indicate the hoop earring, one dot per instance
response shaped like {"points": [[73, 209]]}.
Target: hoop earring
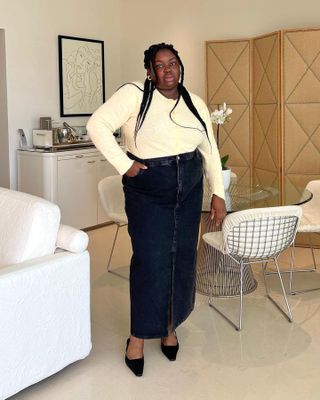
{"points": [[149, 77]]}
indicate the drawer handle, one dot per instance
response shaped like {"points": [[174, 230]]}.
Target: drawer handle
{"points": [[91, 162], [103, 160], [80, 156]]}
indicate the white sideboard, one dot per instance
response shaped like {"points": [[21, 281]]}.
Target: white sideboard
{"points": [[69, 179]]}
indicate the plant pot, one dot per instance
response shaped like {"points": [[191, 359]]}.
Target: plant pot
{"points": [[226, 175]]}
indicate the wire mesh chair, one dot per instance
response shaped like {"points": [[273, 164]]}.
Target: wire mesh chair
{"points": [[112, 199], [309, 223], [256, 236]]}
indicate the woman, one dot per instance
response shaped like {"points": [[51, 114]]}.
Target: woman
{"points": [[168, 135]]}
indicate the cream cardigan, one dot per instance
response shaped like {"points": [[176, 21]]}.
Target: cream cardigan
{"points": [[159, 136]]}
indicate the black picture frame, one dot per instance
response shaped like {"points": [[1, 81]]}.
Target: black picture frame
{"points": [[81, 75]]}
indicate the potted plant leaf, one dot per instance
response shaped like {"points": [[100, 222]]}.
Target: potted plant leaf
{"points": [[219, 117]]}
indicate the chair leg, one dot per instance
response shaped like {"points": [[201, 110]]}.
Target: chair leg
{"points": [[292, 265], [112, 249], [111, 254], [210, 302], [241, 297], [313, 256], [292, 270], [289, 314]]}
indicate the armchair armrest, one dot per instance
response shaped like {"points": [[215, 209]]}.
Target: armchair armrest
{"points": [[72, 239], [45, 318]]}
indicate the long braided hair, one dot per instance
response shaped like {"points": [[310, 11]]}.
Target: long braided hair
{"points": [[149, 87]]}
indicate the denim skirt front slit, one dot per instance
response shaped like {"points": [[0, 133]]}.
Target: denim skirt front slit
{"points": [[163, 206]]}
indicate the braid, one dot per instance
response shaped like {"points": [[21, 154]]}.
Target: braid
{"points": [[145, 104], [186, 97], [149, 87]]}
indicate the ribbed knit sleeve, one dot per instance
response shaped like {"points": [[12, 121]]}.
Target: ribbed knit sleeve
{"points": [[210, 154], [123, 104]]}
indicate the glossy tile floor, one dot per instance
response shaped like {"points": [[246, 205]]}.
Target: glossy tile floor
{"points": [[269, 359]]}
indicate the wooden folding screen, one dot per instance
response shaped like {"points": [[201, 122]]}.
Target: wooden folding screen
{"points": [[301, 106], [301, 110], [272, 82], [228, 80], [266, 149]]}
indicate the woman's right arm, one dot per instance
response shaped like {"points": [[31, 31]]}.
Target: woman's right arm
{"points": [[108, 118]]}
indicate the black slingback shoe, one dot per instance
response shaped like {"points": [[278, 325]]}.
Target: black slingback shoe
{"points": [[170, 351], [136, 365]]}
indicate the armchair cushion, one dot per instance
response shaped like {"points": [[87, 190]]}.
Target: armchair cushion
{"points": [[28, 227]]}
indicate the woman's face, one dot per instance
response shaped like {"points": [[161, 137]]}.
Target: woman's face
{"points": [[166, 72]]}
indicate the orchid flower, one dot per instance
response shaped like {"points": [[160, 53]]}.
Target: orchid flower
{"points": [[219, 117]]}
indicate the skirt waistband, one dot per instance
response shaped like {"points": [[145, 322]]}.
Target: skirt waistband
{"points": [[163, 161]]}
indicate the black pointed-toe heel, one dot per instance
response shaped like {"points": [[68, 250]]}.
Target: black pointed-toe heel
{"points": [[170, 351], [136, 365]]}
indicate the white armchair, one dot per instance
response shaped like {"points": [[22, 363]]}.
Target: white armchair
{"points": [[44, 292], [310, 223]]}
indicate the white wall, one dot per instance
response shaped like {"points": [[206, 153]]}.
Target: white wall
{"points": [[31, 30], [189, 23], [4, 140]]}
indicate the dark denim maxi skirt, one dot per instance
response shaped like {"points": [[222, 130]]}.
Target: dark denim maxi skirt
{"points": [[163, 205]]}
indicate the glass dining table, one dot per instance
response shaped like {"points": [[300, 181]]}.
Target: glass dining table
{"points": [[212, 280]]}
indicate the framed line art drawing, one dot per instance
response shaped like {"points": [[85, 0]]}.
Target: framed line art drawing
{"points": [[81, 75]]}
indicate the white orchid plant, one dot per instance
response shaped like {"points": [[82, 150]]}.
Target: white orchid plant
{"points": [[219, 117]]}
